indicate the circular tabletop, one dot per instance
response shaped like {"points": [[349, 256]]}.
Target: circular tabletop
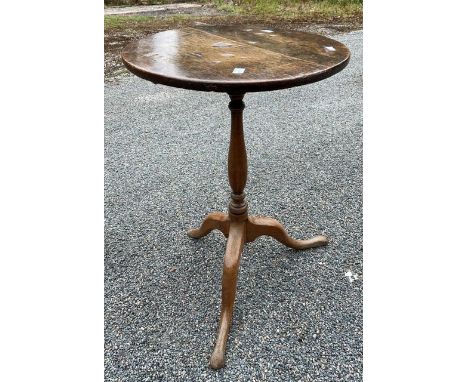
{"points": [[235, 59]]}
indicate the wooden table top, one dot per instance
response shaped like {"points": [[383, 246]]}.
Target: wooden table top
{"points": [[235, 59]]}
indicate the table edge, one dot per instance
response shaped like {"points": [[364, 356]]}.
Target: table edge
{"points": [[236, 87]]}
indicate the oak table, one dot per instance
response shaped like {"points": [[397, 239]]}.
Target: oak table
{"points": [[236, 60]]}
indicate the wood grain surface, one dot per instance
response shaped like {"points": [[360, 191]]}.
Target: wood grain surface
{"points": [[234, 59]]}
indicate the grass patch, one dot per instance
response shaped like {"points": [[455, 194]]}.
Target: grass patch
{"points": [[292, 8], [142, 22], [124, 21]]}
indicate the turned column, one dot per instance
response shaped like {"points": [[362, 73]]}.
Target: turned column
{"points": [[237, 160]]}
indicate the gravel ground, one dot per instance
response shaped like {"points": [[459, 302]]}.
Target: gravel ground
{"points": [[298, 314]]}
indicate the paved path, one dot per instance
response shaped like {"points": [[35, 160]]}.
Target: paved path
{"points": [[298, 315], [151, 9]]}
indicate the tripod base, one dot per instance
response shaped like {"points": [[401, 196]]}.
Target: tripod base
{"points": [[240, 230], [255, 226]]}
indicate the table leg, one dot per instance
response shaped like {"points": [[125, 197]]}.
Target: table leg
{"points": [[232, 257], [214, 220], [259, 226]]}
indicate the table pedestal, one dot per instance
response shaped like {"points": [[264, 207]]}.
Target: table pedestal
{"points": [[240, 228]]}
